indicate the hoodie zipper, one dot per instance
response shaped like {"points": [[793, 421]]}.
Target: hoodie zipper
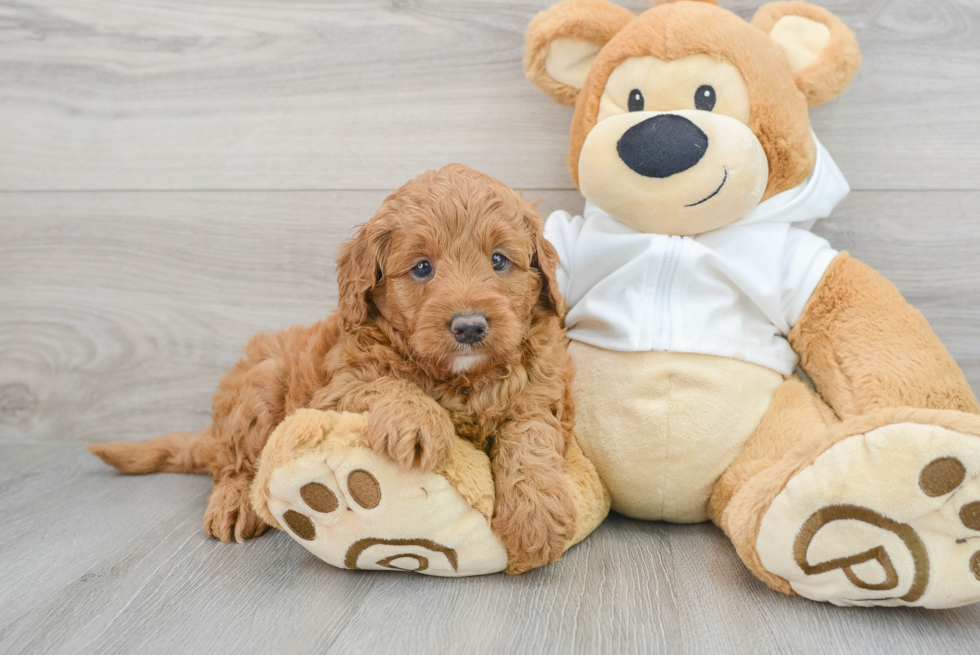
{"points": [[661, 304]]}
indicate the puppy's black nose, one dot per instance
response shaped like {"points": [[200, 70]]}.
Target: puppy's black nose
{"points": [[662, 146], [469, 328]]}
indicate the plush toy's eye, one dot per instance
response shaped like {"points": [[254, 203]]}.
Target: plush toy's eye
{"points": [[704, 97], [636, 101], [422, 270], [500, 262]]}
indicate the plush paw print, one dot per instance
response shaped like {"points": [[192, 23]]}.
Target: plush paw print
{"points": [[363, 488], [890, 517], [356, 509]]}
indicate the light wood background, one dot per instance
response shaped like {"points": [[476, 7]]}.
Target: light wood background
{"points": [[176, 175]]}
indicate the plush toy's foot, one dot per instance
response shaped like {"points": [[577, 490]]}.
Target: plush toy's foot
{"points": [[320, 482], [885, 516]]}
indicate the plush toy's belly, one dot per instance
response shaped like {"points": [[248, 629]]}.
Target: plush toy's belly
{"points": [[661, 427]]}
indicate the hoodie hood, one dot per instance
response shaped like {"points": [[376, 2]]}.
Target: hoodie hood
{"points": [[805, 204]]}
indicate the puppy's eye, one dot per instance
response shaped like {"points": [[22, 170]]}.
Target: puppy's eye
{"points": [[500, 262], [636, 101], [704, 97], [422, 270]]}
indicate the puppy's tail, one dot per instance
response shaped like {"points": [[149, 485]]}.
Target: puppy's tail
{"points": [[177, 452]]}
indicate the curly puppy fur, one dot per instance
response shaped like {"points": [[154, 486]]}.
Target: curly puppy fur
{"points": [[388, 350]]}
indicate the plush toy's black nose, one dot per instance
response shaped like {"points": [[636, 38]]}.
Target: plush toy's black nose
{"points": [[662, 146], [469, 328]]}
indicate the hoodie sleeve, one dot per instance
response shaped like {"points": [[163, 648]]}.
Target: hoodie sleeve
{"points": [[562, 230], [805, 259]]}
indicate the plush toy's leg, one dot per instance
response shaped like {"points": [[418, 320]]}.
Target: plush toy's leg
{"points": [[882, 507], [320, 482]]}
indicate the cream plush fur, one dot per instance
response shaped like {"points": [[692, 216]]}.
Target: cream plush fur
{"points": [[685, 322], [355, 509], [690, 416]]}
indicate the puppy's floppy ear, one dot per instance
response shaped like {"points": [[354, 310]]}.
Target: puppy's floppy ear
{"points": [[822, 51], [359, 269], [562, 42], [545, 262]]}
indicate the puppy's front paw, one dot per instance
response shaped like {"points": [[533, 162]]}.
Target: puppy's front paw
{"points": [[413, 435], [229, 514], [535, 524]]}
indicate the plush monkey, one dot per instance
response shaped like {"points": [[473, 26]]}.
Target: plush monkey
{"points": [[695, 288]]}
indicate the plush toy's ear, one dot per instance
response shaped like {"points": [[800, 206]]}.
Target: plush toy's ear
{"points": [[821, 49], [562, 42]]}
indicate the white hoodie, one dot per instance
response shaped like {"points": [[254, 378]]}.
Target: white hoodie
{"points": [[734, 292]]}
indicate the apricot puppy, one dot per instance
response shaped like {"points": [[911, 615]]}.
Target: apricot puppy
{"points": [[449, 323]]}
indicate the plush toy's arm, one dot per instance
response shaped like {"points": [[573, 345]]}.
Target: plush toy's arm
{"points": [[864, 347], [404, 423]]}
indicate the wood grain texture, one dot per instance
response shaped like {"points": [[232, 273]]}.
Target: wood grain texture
{"points": [[253, 94], [95, 562], [124, 309]]}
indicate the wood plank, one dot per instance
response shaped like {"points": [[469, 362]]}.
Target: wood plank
{"points": [[97, 562], [119, 312], [249, 94]]}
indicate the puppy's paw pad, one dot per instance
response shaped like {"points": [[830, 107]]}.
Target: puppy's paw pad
{"points": [[884, 518]]}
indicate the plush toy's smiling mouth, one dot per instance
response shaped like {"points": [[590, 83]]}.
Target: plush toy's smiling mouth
{"points": [[713, 194]]}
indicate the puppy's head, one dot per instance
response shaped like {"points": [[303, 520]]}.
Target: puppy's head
{"points": [[456, 263]]}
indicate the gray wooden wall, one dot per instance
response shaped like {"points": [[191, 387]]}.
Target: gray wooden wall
{"points": [[177, 175]]}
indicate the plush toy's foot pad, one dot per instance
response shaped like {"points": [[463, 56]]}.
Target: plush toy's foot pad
{"points": [[889, 517], [356, 510]]}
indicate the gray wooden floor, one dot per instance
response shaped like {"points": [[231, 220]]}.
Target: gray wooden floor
{"points": [[176, 175]]}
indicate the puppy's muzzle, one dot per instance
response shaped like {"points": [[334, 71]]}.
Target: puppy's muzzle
{"points": [[469, 328]]}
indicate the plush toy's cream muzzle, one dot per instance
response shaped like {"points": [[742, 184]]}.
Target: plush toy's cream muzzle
{"points": [[682, 172]]}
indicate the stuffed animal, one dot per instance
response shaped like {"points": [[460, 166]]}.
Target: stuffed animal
{"points": [[694, 289]]}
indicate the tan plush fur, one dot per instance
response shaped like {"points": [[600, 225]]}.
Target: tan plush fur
{"points": [[593, 21], [796, 414], [864, 347], [828, 76], [388, 350]]}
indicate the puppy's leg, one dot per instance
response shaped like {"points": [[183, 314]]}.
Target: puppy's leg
{"points": [[277, 375], [229, 514], [404, 423], [247, 406], [533, 514]]}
